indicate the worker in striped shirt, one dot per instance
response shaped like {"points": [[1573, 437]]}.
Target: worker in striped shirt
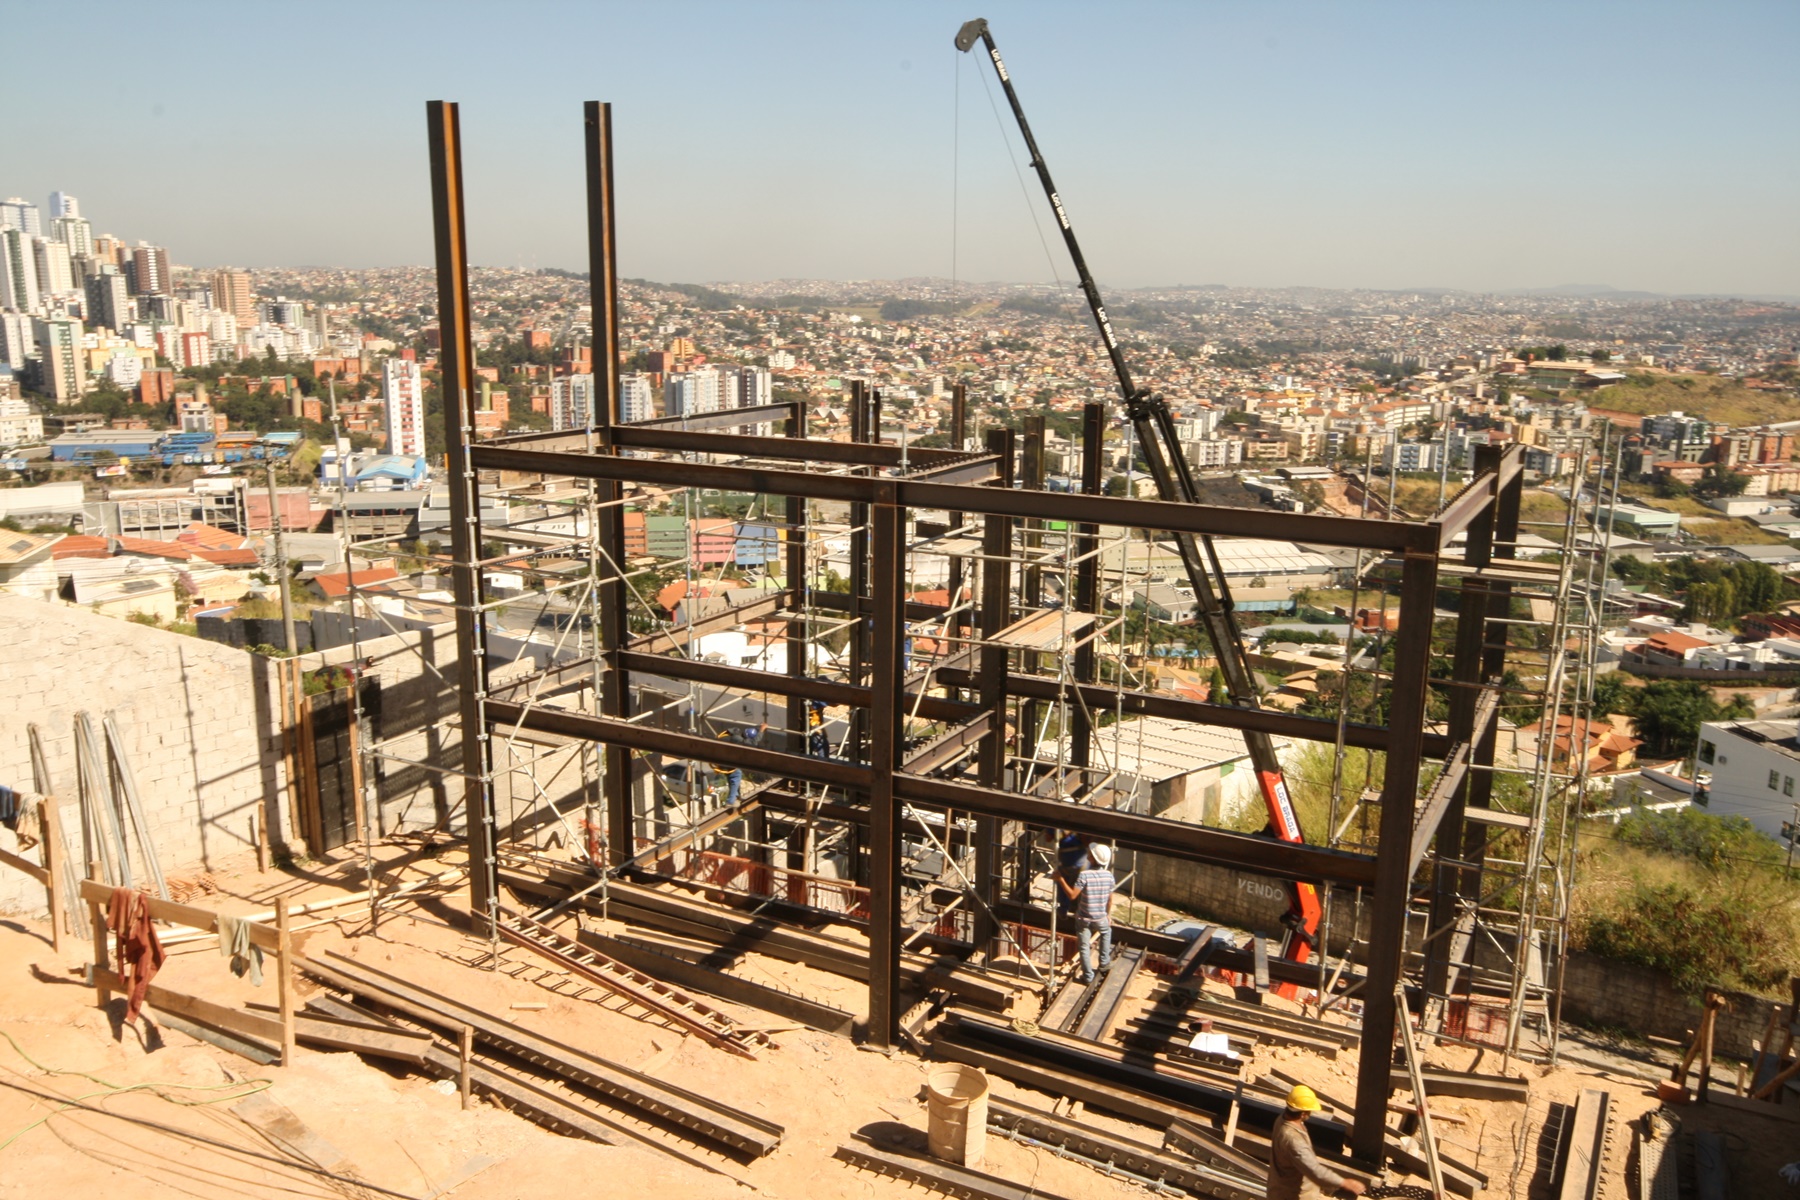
{"points": [[1092, 894]]}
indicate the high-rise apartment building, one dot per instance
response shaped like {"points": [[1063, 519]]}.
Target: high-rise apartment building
{"points": [[691, 393], [404, 390], [637, 399], [110, 249], [61, 373], [64, 205], [231, 293], [52, 264], [18, 271], [74, 232], [571, 401], [22, 215], [745, 387], [17, 342], [149, 270]]}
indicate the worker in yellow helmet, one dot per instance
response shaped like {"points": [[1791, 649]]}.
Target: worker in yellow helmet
{"points": [[1294, 1170]]}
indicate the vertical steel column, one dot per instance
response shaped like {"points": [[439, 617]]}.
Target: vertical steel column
{"points": [[1466, 674], [887, 608], [1505, 539], [456, 363], [1087, 581], [859, 580], [797, 583], [995, 615], [603, 277], [1399, 800], [1031, 579], [959, 438]]}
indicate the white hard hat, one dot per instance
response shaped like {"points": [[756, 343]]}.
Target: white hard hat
{"points": [[1101, 853]]}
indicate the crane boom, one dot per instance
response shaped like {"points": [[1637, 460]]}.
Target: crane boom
{"points": [[1156, 434]]}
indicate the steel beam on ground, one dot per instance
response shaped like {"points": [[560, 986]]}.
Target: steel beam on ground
{"points": [[457, 365]]}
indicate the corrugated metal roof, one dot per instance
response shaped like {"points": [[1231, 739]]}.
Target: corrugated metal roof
{"points": [[1155, 748]]}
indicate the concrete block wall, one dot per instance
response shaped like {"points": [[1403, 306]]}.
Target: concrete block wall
{"points": [[1616, 995], [197, 721]]}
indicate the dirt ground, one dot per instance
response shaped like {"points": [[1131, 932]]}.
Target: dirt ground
{"points": [[90, 1108]]}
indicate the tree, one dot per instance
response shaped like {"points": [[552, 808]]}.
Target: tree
{"points": [[1611, 695], [1667, 714], [1217, 692], [1717, 481]]}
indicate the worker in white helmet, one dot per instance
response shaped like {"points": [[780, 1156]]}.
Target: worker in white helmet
{"points": [[1092, 895], [1295, 1172]]}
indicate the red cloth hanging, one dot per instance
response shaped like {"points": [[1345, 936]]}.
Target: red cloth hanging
{"points": [[140, 954]]}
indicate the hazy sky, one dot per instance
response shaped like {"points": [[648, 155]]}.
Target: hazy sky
{"points": [[1476, 145]]}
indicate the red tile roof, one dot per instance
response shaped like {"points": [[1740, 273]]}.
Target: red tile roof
{"points": [[1673, 642], [155, 549], [211, 537], [338, 584], [240, 557], [82, 545]]}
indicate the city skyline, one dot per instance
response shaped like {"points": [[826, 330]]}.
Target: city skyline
{"points": [[1644, 148]]}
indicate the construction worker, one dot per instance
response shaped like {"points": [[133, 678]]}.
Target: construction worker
{"points": [[1092, 894], [1294, 1170], [734, 776]]}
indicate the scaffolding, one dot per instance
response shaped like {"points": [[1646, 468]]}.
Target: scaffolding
{"points": [[975, 724]]}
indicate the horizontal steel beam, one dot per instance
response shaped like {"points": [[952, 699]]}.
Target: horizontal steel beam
{"points": [[614, 732], [693, 440], [1118, 511], [1161, 704], [1469, 503], [743, 678], [726, 418], [949, 746], [1151, 835]]}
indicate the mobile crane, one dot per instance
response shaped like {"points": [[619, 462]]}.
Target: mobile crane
{"points": [[1156, 436]]}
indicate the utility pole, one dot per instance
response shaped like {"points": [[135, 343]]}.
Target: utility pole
{"points": [[1793, 833], [281, 562]]}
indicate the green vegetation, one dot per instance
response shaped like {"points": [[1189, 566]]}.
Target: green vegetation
{"points": [[1667, 714], [1719, 399], [1715, 593], [907, 310], [1701, 897]]}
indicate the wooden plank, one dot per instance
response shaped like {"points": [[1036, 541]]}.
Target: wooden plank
{"points": [[1466, 1085], [8, 858], [233, 1020], [50, 818], [181, 914], [1586, 1138], [401, 1045], [1789, 1113], [284, 942]]}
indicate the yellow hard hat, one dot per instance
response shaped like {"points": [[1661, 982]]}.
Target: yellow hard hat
{"points": [[1302, 1099]]}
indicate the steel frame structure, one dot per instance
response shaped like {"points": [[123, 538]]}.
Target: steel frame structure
{"points": [[882, 775]]}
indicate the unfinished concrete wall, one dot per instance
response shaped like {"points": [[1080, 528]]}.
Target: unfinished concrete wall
{"points": [[1616, 995], [197, 720]]}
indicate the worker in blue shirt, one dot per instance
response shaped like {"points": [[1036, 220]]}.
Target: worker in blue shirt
{"points": [[734, 776]]}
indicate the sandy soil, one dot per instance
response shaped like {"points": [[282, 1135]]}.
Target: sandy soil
{"points": [[90, 1109]]}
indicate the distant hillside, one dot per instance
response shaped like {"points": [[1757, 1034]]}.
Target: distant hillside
{"points": [[1718, 399]]}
